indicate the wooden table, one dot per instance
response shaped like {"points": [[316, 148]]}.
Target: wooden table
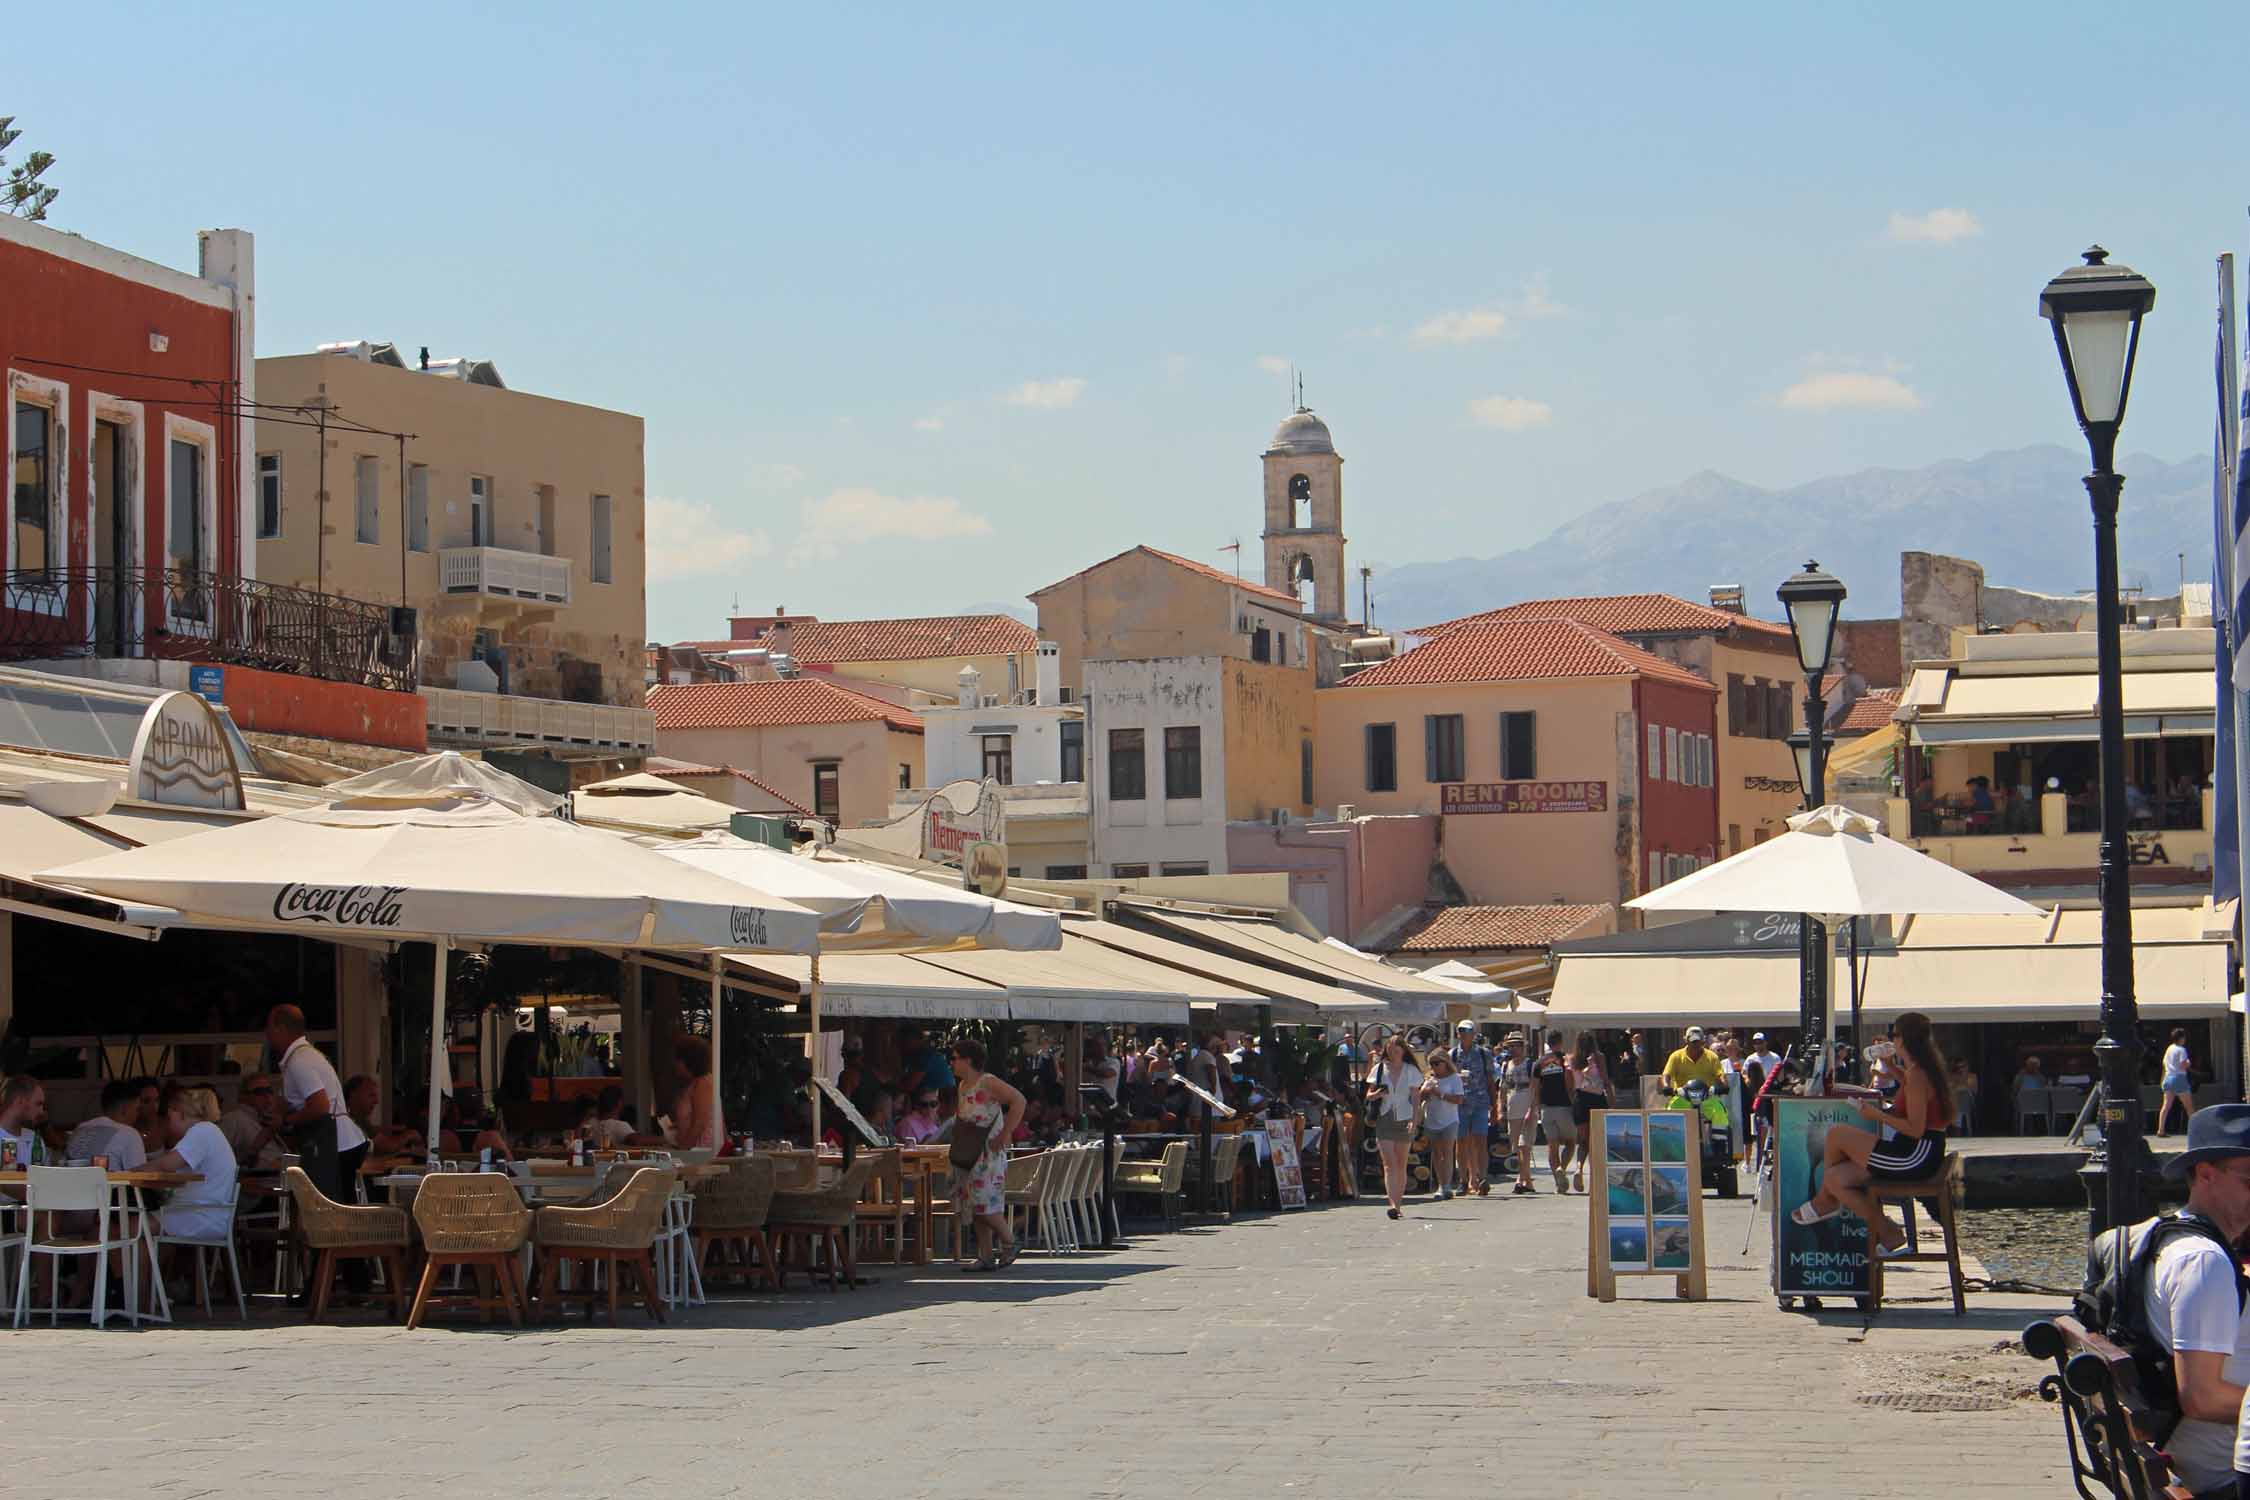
{"points": [[131, 1183]]}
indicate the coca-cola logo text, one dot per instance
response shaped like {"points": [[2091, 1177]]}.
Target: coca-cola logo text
{"points": [[339, 905]]}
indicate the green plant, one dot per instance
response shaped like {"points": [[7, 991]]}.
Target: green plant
{"points": [[21, 192], [1300, 1055]]}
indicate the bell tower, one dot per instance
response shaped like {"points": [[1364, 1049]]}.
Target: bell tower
{"points": [[1304, 535]]}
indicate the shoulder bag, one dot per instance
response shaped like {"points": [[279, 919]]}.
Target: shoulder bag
{"points": [[969, 1143]]}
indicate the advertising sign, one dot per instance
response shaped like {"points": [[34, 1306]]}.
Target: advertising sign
{"points": [[948, 830], [1524, 796], [1644, 1208], [208, 683], [182, 757], [1288, 1167], [1828, 1259]]}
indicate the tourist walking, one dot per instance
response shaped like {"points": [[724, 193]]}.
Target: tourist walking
{"points": [[1589, 1090], [1441, 1118], [2179, 1083], [1480, 1082], [990, 1107], [1519, 1107], [1553, 1076], [1905, 1141], [1391, 1087]]}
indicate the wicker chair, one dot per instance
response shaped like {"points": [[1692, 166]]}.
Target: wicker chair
{"points": [[473, 1219], [879, 1220], [821, 1219], [731, 1210], [336, 1231], [618, 1234], [1161, 1179]]}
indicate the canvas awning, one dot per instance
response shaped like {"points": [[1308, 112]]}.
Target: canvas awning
{"points": [[31, 841], [2042, 707], [1292, 996], [1085, 981], [881, 984], [1968, 969], [1632, 989], [1261, 940]]}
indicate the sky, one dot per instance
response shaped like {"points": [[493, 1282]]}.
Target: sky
{"points": [[931, 306]]}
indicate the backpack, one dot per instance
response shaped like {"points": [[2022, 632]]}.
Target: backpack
{"points": [[2113, 1302]]}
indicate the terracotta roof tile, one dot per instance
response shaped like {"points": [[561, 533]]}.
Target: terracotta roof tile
{"points": [[1181, 562], [1522, 650], [1871, 712], [1625, 614], [792, 700], [922, 639], [1451, 928]]}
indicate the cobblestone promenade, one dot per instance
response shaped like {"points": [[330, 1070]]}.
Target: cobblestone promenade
{"points": [[1314, 1354]]}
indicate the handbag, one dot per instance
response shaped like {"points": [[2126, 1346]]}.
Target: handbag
{"points": [[968, 1145]]}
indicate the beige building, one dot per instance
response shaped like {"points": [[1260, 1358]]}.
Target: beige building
{"points": [[920, 660], [514, 529], [1143, 605], [812, 741]]}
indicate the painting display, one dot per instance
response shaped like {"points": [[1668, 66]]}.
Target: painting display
{"points": [[1644, 1210]]}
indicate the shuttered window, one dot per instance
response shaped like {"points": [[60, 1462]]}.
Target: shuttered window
{"points": [[1444, 748], [1519, 746]]}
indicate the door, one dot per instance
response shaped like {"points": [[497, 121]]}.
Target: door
{"points": [[113, 541]]}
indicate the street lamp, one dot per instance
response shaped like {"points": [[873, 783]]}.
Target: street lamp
{"points": [[2096, 310], [1813, 599]]}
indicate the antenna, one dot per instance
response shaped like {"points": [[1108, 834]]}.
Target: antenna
{"points": [[1366, 598], [1235, 547], [1300, 389]]}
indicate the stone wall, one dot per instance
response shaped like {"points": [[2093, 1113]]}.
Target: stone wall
{"points": [[1937, 594]]}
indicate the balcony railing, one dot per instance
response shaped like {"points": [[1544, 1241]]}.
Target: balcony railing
{"points": [[500, 572], [460, 717], [175, 615]]}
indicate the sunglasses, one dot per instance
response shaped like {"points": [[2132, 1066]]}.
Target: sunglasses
{"points": [[257, 1091]]}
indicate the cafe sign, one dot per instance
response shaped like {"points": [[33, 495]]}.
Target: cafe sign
{"points": [[182, 757], [947, 831], [1524, 796]]}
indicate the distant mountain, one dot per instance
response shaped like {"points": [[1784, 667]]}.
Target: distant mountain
{"points": [[2022, 514]]}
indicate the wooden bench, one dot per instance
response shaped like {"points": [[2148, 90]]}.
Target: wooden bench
{"points": [[1943, 1191], [2110, 1428]]}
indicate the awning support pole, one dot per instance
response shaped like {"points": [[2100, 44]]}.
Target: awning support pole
{"points": [[718, 1068], [813, 1049], [441, 1067]]}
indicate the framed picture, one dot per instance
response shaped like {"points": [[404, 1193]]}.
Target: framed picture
{"points": [[1628, 1245], [1644, 1213], [1622, 1137], [1668, 1190], [1628, 1192], [1667, 1135], [1671, 1245]]}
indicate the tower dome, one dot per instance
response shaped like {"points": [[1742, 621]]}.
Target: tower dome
{"points": [[1302, 432]]}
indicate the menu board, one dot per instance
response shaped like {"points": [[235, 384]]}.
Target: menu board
{"points": [[1644, 1213], [851, 1114], [1288, 1167]]}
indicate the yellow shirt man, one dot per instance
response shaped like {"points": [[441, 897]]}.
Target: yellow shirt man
{"points": [[1683, 1065]]}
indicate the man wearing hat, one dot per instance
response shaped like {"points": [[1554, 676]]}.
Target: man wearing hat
{"points": [[1473, 1061], [2193, 1298], [1694, 1061]]}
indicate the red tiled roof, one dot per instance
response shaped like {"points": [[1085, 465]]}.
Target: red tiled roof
{"points": [[923, 639], [683, 770], [1870, 712], [1451, 928], [792, 700], [1180, 562], [1522, 650], [1625, 614]]}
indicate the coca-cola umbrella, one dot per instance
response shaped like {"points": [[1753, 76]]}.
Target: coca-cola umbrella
{"points": [[422, 851]]}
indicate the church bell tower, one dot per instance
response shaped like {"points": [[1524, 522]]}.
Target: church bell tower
{"points": [[1304, 535]]}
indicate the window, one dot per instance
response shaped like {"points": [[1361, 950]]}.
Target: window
{"points": [[1734, 838], [827, 789], [1382, 757], [35, 489], [189, 552], [1183, 764], [1128, 872], [1261, 644], [1708, 746], [1672, 770], [1654, 770], [1000, 759], [364, 477], [1519, 746], [1188, 867], [1281, 647], [598, 563], [546, 519], [1128, 767], [1066, 872], [480, 510], [905, 776], [269, 496], [418, 508], [1304, 772], [1073, 736], [1655, 871], [1444, 753]]}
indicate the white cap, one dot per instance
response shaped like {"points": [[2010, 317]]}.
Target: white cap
{"points": [[1695, 1034], [1757, 1036]]}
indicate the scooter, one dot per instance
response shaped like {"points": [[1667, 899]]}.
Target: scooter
{"points": [[1718, 1135]]}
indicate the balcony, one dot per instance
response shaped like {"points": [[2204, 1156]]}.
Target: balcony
{"points": [[496, 575], [179, 615], [2168, 841], [469, 720]]}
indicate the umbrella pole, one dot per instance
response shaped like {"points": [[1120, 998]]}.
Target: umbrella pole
{"points": [[1856, 1068], [718, 1069], [812, 1046], [441, 1075]]}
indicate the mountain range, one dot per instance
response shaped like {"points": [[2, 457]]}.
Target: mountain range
{"points": [[2022, 514]]}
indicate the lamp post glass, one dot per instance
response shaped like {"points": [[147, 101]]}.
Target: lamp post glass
{"points": [[1800, 745], [2096, 309], [1813, 599]]}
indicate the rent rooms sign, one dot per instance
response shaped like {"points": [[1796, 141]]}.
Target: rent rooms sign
{"points": [[1524, 796]]}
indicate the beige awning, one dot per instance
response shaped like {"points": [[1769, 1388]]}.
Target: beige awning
{"points": [[1673, 990], [1291, 995], [1261, 940], [881, 984], [2044, 983], [1086, 981], [31, 841], [2048, 706]]}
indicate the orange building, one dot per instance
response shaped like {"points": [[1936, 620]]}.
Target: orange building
{"points": [[806, 739]]}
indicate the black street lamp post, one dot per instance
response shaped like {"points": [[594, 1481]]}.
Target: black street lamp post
{"points": [[1813, 599], [2096, 310]]}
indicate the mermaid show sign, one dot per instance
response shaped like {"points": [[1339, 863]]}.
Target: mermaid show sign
{"points": [[1828, 1259]]}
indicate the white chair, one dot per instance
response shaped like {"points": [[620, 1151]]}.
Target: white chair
{"points": [[54, 1190], [223, 1241], [2032, 1102], [1086, 1197], [2063, 1103], [679, 1279], [1056, 1186]]}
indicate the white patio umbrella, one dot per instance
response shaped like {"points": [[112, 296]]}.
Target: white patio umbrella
{"points": [[435, 849], [644, 801], [1472, 982]]}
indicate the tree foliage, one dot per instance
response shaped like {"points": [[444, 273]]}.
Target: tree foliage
{"points": [[21, 192]]}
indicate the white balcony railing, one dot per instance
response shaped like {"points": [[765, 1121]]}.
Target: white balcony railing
{"points": [[458, 717], [504, 573]]}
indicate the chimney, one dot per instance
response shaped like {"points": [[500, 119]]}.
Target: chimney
{"points": [[1728, 596], [972, 687], [1049, 679], [425, 356]]}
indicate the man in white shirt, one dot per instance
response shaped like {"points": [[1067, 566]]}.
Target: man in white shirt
{"points": [[2193, 1298], [313, 1104], [23, 1109], [1764, 1056], [115, 1133], [250, 1126]]}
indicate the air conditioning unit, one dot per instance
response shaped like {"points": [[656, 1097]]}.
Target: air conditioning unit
{"points": [[1346, 811], [1281, 817]]}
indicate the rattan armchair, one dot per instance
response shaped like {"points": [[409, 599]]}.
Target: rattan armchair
{"points": [[473, 1219], [338, 1231], [1161, 1179], [617, 1234], [821, 1219], [731, 1210]]}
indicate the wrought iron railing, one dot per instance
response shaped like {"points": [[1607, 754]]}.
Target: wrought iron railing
{"points": [[175, 615]]}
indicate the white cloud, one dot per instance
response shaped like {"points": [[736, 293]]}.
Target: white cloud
{"points": [[849, 517], [929, 424], [1046, 395], [1850, 390], [1273, 364], [1535, 303], [1466, 326], [687, 537], [775, 476], [1940, 226], [1511, 413]]}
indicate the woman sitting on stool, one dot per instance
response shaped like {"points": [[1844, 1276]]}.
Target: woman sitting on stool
{"points": [[1909, 1148]]}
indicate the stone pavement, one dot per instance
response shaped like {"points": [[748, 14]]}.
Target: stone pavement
{"points": [[1318, 1353]]}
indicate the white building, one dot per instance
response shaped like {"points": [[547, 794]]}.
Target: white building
{"points": [[1159, 782]]}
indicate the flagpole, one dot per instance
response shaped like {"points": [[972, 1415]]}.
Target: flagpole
{"points": [[2228, 446]]}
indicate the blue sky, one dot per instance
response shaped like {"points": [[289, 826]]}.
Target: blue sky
{"points": [[931, 306]]}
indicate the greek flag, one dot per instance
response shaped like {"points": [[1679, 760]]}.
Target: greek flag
{"points": [[2230, 591]]}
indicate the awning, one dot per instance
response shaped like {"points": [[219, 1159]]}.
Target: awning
{"points": [[1261, 940], [158, 825], [1293, 997], [31, 840], [1869, 755], [1085, 981], [2057, 982], [1717, 989], [881, 984], [2043, 707]]}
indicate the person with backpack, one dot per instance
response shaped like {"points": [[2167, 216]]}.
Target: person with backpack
{"points": [[2167, 1291]]}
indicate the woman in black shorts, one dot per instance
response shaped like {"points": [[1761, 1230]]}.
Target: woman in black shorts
{"points": [[1906, 1145], [1590, 1089]]}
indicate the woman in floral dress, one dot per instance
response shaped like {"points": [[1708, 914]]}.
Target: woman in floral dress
{"points": [[982, 1191]]}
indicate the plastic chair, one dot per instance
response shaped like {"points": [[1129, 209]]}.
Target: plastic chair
{"points": [[54, 1190], [1020, 1189], [2030, 1102], [679, 1279], [202, 1244], [476, 1220], [2063, 1103]]}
